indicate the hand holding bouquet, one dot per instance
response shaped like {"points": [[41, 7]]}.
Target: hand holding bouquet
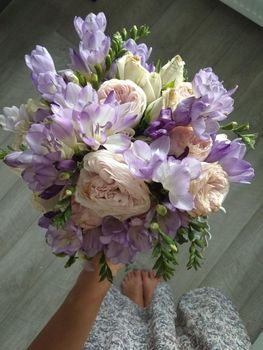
{"points": [[124, 156]]}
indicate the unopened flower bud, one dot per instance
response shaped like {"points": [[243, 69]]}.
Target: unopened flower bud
{"points": [[155, 226], [161, 209], [64, 176], [173, 247]]}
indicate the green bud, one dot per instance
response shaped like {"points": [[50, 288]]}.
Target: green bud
{"points": [[133, 32], [95, 80], [173, 247], [229, 126], [68, 193], [241, 128], [108, 62], [98, 69], [64, 176], [161, 209], [124, 34], [155, 226]]}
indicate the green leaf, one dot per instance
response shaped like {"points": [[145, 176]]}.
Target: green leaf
{"points": [[105, 271], [70, 261], [158, 65], [170, 84]]}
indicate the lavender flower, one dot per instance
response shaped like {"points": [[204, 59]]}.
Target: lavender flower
{"points": [[230, 156], [67, 240], [119, 248], [39, 161], [105, 125], [91, 242], [173, 220], [94, 44], [175, 177], [44, 75], [161, 126], [143, 159], [211, 104], [142, 51]]}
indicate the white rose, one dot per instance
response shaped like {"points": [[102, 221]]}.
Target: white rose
{"points": [[107, 187], [173, 71], [129, 67], [127, 93], [169, 99]]}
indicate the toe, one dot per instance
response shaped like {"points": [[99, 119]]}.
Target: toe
{"points": [[144, 275]]}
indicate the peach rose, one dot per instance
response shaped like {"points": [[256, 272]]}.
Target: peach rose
{"points": [[209, 189], [127, 92], [184, 136], [107, 187], [84, 217]]}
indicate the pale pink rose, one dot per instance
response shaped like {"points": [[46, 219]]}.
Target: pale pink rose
{"points": [[184, 90], [184, 136], [209, 189], [126, 92], [84, 217], [107, 187]]}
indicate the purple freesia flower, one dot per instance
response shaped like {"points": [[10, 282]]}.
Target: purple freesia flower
{"points": [[39, 161], [67, 240], [118, 246], [143, 159], [44, 75], [211, 104], [91, 242], [94, 44], [140, 50], [175, 177], [161, 126], [139, 231], [105, 125], [230, 156], [75, 97], [173, 220]]}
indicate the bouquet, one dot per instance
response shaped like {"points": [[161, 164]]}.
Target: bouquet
{"points": [[122, 155]]}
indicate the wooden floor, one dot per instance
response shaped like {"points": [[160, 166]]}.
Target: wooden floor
{"points": [[206, 33]]}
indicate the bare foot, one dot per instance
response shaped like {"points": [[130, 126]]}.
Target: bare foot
{"points": [[132, 287], [149, 282]]}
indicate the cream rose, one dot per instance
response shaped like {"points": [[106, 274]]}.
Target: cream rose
{"points": [[107, 187], [84, 217], [184, 136], [173, 71], [209, 189], [128, 93], [169, 99], [129, 67]]}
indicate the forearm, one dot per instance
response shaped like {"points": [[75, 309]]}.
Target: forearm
{"points": [[71, 324]]}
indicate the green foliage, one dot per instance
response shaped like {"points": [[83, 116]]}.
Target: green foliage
{"points": [[241, 131], [138, 33], [3, 153], [164, 251], [82, 79], [198, 235], [9, 149], [169, 85], [62, 218], [158, 65], [105, 271], [70, 261]]}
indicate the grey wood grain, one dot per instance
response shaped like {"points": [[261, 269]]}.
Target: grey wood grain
{"points": [[206, 33]]}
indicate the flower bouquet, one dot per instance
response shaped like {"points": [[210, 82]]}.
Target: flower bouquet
{"points": [[124, 156]]}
